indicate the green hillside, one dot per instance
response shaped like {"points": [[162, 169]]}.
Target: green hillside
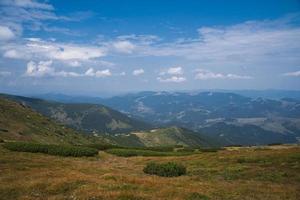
{"points": [[170, 136], [18, 122], [89, 118]]}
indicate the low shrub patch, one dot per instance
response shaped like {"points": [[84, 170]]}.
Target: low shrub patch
{"points": [[186, 149], [210, 149], [169, 169], [103, 146], [197, 196], [138, 152], [51, 149]]}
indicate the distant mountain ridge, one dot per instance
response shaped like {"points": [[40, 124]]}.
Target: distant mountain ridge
{"points": [[19, 122], [228, 117], [90, 118], [207, 111]]}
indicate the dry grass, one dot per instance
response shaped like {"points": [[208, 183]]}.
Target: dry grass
{"points": [[241, 174]]}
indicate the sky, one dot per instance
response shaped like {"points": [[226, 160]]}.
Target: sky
{"points": [[97, 47]]}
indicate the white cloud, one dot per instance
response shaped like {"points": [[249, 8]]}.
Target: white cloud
{"points": [[175, 79], [6, 33], [39, 69], [255, 43], [138, 72], [202, 74], [74, 63], [175, 71], [172, 71], [296, 73], [98, 73], [28, 4], [103, 73], [14, 54], [124, 46], [4, 73], [140, 39], [39, 49], [44, 68]]}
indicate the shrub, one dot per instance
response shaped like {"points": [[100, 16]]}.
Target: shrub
{"points": [[139, 152], [186, 149], [210, 150], [197, 196], [169, 169], [102, 147], [51, 149]]}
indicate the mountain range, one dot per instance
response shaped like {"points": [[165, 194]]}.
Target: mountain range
{"points": [[143, 118], [29, 119]]}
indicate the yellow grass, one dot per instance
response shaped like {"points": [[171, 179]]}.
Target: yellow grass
{"points": [[241, 174]]}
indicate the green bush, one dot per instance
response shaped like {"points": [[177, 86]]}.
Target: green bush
{"points": [[51, 149], [186, 149], [169, 169], [102, 147], [210, 149], [139, 152], [197, 196]]}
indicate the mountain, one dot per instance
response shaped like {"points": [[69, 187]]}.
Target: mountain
{"points": [[266, 120], [19, 122], [90, 118], [169, 136]]}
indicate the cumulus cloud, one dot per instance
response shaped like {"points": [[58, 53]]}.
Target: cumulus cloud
{"points": [[175, 79], [252, 43], [98, 73], [44, 68], [138, 72], [40, 49], [124, 46], [172, 74], [39, 69], [175, 71], [6, 33], [202, 74], [295, 74], [172, 71]]}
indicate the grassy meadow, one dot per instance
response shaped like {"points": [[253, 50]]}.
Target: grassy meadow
{"points": [[235, 173]]}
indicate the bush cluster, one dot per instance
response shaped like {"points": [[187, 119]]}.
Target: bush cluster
{"points": [[102, 147], [51, 149], [134, 152], [210, 149], [169, 169], [139, 152]]}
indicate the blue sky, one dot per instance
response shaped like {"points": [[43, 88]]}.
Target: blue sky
{"points": [[96, 47]]}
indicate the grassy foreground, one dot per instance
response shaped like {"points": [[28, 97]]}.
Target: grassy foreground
{"points": [[241, 173]]}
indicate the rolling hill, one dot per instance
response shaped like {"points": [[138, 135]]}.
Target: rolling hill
{"points": [[18, 122], [169, 136], [89, 118]]}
